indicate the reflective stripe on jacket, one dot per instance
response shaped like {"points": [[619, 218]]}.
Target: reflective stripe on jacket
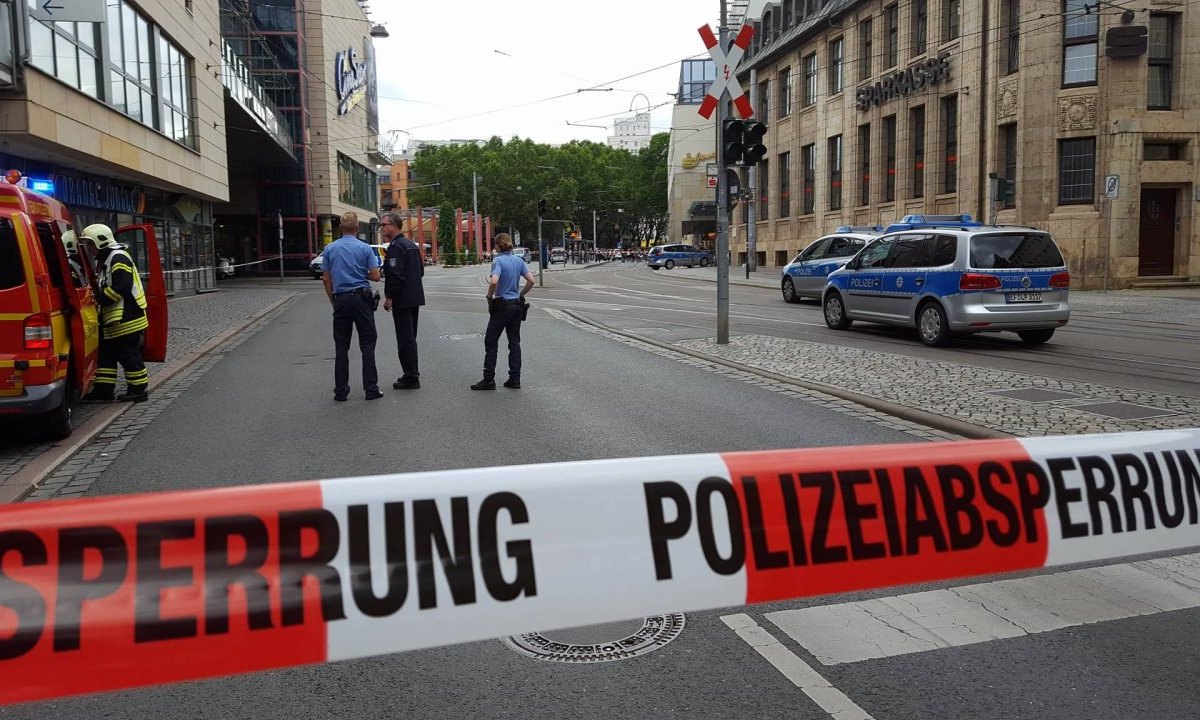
{"points": [[124, 301]]}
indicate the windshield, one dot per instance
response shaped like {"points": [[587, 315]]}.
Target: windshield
{"points": [[1014, 250]]}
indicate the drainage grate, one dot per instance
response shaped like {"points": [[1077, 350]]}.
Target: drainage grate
{"points": [[1124, 411], [1034, 395], [591, 644]]}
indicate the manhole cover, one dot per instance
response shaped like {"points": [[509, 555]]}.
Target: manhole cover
{"points": [[600, 643], [1034, 395], [461, 336], [1123, 411]]}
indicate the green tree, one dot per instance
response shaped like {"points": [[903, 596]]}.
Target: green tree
{"points": [[445, 230]]}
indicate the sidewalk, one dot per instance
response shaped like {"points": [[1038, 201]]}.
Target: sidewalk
{"points": [[194, 320]]}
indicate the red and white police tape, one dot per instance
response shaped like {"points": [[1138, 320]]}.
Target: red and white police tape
{"points": [[117, 592]]}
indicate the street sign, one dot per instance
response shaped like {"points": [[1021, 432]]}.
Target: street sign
{"points": [[1112, 186], [712, 182], [711, 169], [69, 10], [726, 63]]}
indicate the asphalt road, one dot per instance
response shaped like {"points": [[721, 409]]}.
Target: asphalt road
{"points": [[265, 413], [1157, 356]]}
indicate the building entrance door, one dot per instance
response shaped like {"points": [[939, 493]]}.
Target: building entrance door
{"points": [[1156, 233]]}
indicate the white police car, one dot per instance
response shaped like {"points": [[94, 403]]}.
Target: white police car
{"points": [[947, 274], [806, 275]]}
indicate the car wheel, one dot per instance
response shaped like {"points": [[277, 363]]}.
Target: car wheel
{"points": [[1035, 337], [703, 262], [932, 325], [835, 312], [669, 264], [789, 291], [56, 424], [654, 267]]}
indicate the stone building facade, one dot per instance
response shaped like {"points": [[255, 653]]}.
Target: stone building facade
{"points": [[880, 109]]}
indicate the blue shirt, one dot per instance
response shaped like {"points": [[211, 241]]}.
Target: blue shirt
{"points": [[348, 260], [509, 268]]}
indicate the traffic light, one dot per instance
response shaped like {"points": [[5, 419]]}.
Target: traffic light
{"points": [[732, 141], [541, 208], [753, 150]]}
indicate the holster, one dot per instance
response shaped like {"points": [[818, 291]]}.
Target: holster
{"points": [[524, 310]]}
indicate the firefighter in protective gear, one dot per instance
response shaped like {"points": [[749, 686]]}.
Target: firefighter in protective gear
{"points": [[123, 320], [71, 243]]}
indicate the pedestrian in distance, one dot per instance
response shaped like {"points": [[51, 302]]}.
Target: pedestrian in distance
{"points": [[404, 294], [123, 320], [506, 310], [350, 266]]}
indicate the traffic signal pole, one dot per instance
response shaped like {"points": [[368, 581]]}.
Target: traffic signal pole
{"points": [[751, 194], [722, 201]]}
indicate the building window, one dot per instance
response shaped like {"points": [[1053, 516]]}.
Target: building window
{"points": [[950, 20], [892, 48], [1162, 58], [864, 162], [920, 26], [1012, 22], [808, 156], [68, 51], [785, 187], [175, 113], [810, 79], [866, 61], [1008, 134], [835, 172], [916, 130], [763, 178], [785, 92], [131, 80], [950, 142], [1154, 151], [764, 100], [837, 62], [356, 184], [695, 77], [1076, 171], [1080, 41], [889, 156]]}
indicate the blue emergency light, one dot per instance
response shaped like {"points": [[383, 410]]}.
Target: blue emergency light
{"points": [[41, 185]]}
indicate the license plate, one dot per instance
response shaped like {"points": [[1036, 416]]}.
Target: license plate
{"points": [[1025, 297]]}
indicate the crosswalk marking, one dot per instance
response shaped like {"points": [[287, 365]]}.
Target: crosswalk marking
{"points": [[969, 614]]}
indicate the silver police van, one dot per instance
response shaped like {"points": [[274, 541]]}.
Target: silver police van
{"points": [[945, 275], [807, 274]]}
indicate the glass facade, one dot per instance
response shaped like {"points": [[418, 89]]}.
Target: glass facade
{"points": [[694, 78]]}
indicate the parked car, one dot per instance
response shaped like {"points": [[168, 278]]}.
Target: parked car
{"points": [[558, 255], [807, 274], [317, 264], [521, 253], [668, 256], [945, 275]]}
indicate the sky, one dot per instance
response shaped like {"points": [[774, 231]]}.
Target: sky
{"points": [[445, 62]]}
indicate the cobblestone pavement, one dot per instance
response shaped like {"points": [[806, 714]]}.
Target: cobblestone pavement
{"points": [[810, 396], [193, 321], [962, 392]]}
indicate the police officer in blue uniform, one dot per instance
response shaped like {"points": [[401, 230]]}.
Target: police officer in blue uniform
{"points": [[505, 310], [350, 266]]}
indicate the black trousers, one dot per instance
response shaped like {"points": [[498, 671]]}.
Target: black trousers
{"points": [[352, 310], [126, 350], [405, 320], [503, 319]]}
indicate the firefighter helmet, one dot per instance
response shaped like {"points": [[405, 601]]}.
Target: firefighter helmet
{"points": [[70, 241], [100, 235]]}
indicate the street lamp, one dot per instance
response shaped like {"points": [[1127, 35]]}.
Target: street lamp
{"points": [[542, 257]]}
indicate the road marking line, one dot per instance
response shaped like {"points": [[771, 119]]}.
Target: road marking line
{"points": [[970, 614], [800, 673]]}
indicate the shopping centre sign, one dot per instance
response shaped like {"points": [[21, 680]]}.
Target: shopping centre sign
{"points": [[906, 82], [349, 79]]}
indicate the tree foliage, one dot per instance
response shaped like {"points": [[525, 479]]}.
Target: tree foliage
{"points": [[575, 179], [445, 229]]}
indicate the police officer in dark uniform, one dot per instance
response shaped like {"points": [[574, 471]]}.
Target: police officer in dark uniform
{"points": [[404, 294], [506, 311]]}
